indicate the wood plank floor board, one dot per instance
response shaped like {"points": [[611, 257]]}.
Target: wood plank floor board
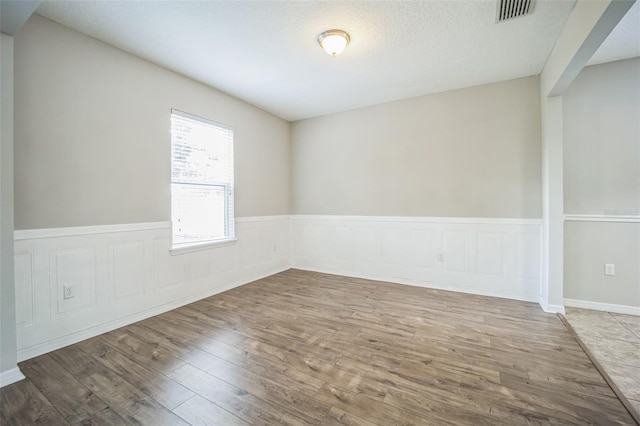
{"points": [[199, 326], [266, 366], [442, 409], [367, 408], [505, 358], [304, 348], [337, 417], [128, 402], [23, 404], [281, 391], [153, 384], [106, 417], [70, 397], [237, 401], [199, 411], [208, 324], [181, 332], [154, 358], [268, 340], [169, 344], [567, 406]]}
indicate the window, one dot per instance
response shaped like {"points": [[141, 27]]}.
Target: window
{"points": [[201, 181]]}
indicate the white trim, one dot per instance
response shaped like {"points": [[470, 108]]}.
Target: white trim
{"points": [[198, 118], [43, 338], [606, 307], [463, 220], [556, 309], [10, 376], [602, 218], [262, 218], [32, 234], [551, 309], [70, 339], [543, 303], [431, 285], [330, 244], [201, 246]]}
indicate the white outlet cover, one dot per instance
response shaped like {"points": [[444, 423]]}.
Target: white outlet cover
{"points": [[68, 291], [609, 269]]}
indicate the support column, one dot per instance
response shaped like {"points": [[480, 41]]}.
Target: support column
{"points": [[552, 205], [9, 371], [588, 26], [13, 14]]}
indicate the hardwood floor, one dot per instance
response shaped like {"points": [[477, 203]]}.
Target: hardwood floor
{"points": [[302, 348]]}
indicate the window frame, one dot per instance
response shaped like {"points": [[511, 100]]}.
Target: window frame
{"points": [[229, 192]]}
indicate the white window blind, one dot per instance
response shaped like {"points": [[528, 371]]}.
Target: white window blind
{"points": [[201, 180]]}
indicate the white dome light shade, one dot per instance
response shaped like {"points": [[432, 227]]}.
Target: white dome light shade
{"points": [[334, 41]]}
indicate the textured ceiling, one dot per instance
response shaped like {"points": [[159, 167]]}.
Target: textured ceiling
{"points": [[623, 42], [266, 53]]}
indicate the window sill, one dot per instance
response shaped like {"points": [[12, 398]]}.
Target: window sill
{"points": [[188, 248]]}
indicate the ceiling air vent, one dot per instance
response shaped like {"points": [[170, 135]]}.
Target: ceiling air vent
{"points": [[509, 9]]}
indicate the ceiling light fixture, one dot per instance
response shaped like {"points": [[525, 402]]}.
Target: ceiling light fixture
{"points": [[334, 41]]}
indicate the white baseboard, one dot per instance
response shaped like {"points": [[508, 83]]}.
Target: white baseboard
{"points": [[551, 309], [125, 273], [10, 376], [606, 307], [70, 339], [430, 285], [490, 257]]}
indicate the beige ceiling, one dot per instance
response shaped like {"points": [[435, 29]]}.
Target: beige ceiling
{"points": [[266, 53]]}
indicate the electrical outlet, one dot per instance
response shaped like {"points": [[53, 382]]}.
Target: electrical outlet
{"points": [[441, 257], [609, 269], [275, 247], [68, 291]]}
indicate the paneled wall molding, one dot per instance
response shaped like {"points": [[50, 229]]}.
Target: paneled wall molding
{"points": [[87, 333], [602, 218], [494, 257], [120, 274], [124, 273], [606, 307], [428, 219]]}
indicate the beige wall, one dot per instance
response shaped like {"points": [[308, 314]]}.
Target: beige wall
{"points": [[93, 142], [602, 177], [588, 246], [472, 152], [602, 140]]}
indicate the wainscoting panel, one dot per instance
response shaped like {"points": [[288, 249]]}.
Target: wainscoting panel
{"points": [[496, 257], [126, 267], [124, 273], [454, 250], [76, 268], [491, 257], [169, 270], [24, 289]]}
